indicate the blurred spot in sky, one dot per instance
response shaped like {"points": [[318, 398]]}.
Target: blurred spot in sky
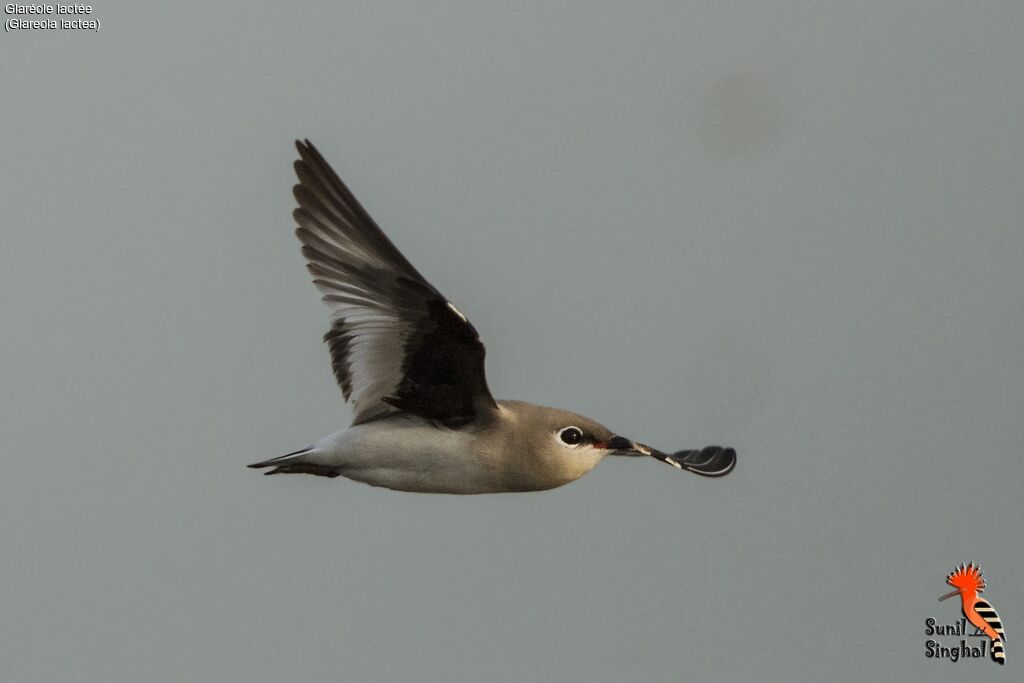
{"points": [[741, 114]]}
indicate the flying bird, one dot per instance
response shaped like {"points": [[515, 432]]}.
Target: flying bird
{"points": [[968, 581], [412, 367]]}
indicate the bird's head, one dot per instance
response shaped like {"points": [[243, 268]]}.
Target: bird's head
{"points": [[567, 445], [570, 445], [967, 580]]}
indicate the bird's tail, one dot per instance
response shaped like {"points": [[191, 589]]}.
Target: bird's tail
{"points": [[997, 651], [294, 463]]}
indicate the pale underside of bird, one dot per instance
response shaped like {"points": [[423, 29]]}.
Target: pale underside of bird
{"points": [[412, 367]]}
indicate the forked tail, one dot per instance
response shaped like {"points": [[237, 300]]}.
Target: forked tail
{"points": [[293, 463]]}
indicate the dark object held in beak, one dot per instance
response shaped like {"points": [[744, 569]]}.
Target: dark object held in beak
{"points": [[712, 461]]}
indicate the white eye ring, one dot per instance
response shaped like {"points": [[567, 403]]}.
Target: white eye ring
{"points": [[570, 437]]}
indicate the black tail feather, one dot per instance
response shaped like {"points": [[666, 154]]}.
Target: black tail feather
{"points": [[278, 459], [305, 468]]}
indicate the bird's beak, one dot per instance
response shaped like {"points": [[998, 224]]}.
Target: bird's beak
{"points": [[713, 461], [620, 445], [948, 595]]}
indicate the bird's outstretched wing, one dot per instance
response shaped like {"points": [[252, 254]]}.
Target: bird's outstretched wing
{"points": [[396, 343]]}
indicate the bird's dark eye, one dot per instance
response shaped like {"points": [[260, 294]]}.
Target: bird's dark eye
{"points": [[571, 435]]}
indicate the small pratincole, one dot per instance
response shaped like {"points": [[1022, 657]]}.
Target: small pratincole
{"points": [[968, 582], [412, 366]]}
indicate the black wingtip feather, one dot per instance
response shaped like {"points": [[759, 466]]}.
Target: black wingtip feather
{"points": [[712, 461]]}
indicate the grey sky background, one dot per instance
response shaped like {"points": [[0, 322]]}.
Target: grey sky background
{"points": [[791, 228]]}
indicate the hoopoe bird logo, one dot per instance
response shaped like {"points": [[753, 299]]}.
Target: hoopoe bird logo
{"points": [[968, 582]]}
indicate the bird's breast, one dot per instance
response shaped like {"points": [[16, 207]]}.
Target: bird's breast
{"points": [[409, 454]]}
